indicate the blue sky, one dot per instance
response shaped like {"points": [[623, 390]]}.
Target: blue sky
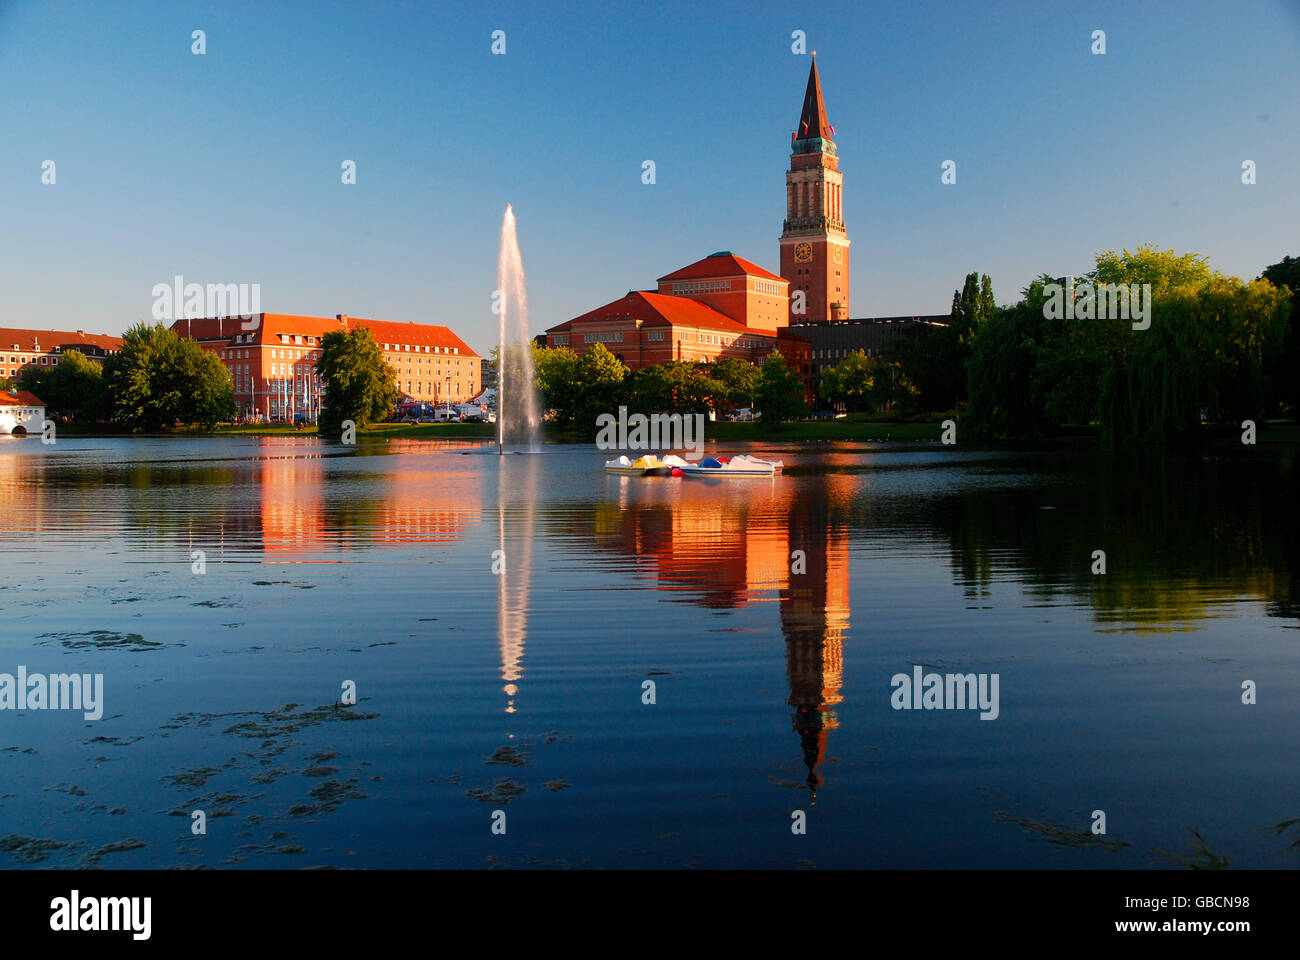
{"points": [[225, 168]]}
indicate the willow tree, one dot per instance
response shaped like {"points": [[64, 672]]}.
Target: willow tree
{"points": [[1203, 357]]}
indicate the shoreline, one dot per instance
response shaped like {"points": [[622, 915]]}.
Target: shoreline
{"points": [[1272, 433]]}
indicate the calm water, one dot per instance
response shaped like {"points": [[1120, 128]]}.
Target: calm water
{"points": [[523, 691]]}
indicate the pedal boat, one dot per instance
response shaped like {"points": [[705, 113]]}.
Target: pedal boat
{"points": [[737, 466]]}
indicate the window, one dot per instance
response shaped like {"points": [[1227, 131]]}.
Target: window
{"points": [[702, 286]]}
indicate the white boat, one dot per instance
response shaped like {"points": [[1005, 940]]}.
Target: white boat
{"points": [[741, 465], [645, 466]]}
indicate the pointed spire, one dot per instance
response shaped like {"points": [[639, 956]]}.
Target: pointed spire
{"points": [[813, 122]]}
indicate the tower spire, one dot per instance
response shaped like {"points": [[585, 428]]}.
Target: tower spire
{"points": [[812, 121]]}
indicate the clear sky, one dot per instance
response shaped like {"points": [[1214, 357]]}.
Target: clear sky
{"points": [[225, 168]]}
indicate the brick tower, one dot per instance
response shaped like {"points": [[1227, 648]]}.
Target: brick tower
{"points": [[814, 246]]}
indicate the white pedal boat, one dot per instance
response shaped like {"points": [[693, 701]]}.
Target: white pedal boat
{"points": [[737, 466], [646, 466]]}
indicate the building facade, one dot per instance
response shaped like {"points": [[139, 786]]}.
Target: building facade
{"points": [[22, 347], [272, 359], [722, 305], [21, 412], [829, 343]]}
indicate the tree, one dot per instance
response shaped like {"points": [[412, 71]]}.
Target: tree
{"points": [[359, 383], [601, 376], [1203, 358], [555, 371], [937, 364], [160, 378], [780, 391], [1283, 377], [1005, 398], [74, 386], [737, 381], [869, 383]]}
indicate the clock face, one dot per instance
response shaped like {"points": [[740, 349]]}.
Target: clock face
{"points": [[839, 254], [802, 252]]}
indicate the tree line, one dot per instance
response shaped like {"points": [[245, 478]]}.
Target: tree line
{"points": [[576, 389], [1217, 351]]}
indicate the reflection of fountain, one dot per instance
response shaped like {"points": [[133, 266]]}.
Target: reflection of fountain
{"points": [[515, 558], [518, 408]]}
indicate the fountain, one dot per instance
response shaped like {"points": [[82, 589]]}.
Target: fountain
{"points": [[519, 418]]}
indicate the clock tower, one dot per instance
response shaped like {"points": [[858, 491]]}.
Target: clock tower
{"points": [[814, 246]]}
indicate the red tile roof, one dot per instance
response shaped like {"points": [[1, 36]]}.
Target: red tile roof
{"points": [[27, 338], [661, 310], [724, 264], [20, 399], [271, 325]]}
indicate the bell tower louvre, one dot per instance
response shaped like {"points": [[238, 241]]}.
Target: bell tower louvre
{"points": [[814, 245]]}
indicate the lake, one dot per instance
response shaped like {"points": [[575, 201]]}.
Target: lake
{"points": [[647, 672]]}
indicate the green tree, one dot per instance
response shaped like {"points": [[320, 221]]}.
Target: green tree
{"points": [[869, 383], [1204, 356], [1284, 381], [160, 378], [74, 386], [359, 383], [556, 373], [1005, 398], [937, 363], [600, 377], [737, 381], [780, 392]]}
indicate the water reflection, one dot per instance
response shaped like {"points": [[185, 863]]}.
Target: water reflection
{"points": [[727, 546], [598, 576], [517, 483]]}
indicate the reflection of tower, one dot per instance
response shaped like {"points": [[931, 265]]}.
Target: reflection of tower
{"points": [[815, 617], [517, 475]]}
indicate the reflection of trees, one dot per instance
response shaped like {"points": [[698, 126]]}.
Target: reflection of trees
{"points": [[1180, 534]]}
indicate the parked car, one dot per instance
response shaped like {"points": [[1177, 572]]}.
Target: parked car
{"points": [[412, 421], [744, 413]]}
